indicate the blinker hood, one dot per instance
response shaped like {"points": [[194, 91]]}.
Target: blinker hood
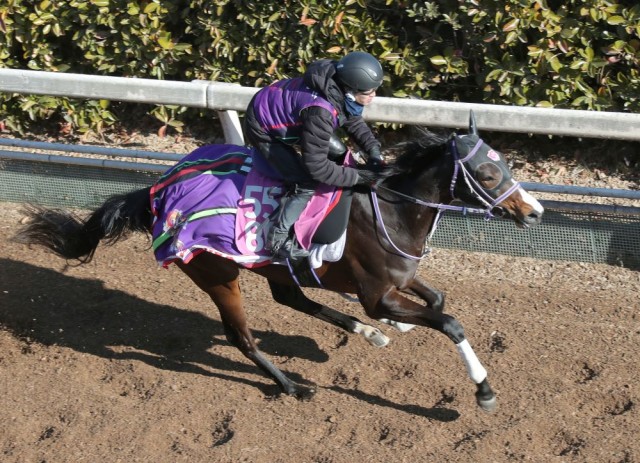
{"points": [[473, 156]]}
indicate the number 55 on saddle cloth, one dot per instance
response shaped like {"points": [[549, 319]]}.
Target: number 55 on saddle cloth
{"points": [[213, 201]]}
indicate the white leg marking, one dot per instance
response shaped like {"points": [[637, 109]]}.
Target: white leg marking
{"points": [[402, 327], [476, 371], [373, 335]]}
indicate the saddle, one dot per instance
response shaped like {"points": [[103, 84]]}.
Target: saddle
{"points": [[323, 220], [214, 200]]}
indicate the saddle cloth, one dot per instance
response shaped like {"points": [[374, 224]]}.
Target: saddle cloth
{"points": [[214, 201]]}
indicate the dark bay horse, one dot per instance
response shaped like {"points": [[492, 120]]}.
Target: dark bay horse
{"points": [[388, 227]]}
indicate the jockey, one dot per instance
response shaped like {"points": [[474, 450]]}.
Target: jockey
{"points": [[301, 115]]}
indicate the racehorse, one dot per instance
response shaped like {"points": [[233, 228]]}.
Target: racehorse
{"points": [[389, 225]]}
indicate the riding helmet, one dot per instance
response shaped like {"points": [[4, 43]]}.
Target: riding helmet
{"points": [[359, 71]]}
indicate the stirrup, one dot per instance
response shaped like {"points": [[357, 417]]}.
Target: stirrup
{"points": [[291, 250]]}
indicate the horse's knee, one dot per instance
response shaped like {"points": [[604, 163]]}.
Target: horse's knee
{"points": [[453, 329], [438, 301]]}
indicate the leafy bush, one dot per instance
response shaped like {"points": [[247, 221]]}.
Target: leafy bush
{"points": [[571, 54]]}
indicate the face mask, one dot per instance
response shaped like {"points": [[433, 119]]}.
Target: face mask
{"points": [[353, 108]]}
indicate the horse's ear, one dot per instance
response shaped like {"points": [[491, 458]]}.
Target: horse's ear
{"points": [[473, 127]]}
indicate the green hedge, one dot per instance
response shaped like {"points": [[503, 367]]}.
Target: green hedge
{"points": [[571, 54]]}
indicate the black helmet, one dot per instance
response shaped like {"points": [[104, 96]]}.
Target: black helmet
{"points": [[359, 71]]}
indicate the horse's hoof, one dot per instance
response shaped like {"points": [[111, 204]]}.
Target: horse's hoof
{"points": [[485, 397], [375, 337], [304, 393], [488, 405]]}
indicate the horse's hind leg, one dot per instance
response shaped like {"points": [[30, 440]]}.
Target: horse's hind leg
{"points": [[219, 278], [292, 296]]}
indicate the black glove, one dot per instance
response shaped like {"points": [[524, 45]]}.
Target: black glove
{"points": [[375, 157], [367, 177]]}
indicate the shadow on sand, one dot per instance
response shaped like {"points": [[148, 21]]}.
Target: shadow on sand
{"points": [[44, 306]]}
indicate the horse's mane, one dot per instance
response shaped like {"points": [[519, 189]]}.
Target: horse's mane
{"points": [[414, 155]]}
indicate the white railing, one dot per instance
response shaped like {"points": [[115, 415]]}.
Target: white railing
{"points": [[229, 97]]}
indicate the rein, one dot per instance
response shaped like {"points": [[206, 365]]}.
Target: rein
{"points": [[477, 190], [440, 207]]}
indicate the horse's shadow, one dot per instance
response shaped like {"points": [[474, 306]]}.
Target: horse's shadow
{"points": [[82, 314], [47, 307]]}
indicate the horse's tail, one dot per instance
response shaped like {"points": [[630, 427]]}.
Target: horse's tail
{"points": [[72, 237]]}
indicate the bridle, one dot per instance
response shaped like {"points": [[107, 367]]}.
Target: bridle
{"points": [[482, 194]]}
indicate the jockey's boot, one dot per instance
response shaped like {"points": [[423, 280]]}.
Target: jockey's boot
{"points": [[281, 240], [292, 250]]}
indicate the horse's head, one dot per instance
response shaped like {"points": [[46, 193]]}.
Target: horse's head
{"points": [[483, 176]]}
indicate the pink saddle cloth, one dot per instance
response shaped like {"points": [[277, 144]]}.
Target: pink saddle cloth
{"points": [[261, 197]]}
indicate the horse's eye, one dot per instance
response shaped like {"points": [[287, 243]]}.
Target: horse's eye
{"points": [[489, 175]]}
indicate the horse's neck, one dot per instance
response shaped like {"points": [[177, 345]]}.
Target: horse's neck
{"points": [[407, 222], [434, 185], [431, 187]]}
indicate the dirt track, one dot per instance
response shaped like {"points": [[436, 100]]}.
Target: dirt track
{"points": [[120, 360]]}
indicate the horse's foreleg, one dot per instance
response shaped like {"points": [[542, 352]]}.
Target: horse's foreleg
{"points": [[292, 296], [224, 290], [395, 306], [433, 297]]}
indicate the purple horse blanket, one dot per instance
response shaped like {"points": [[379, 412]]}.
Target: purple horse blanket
{"points": [[214, 201]]}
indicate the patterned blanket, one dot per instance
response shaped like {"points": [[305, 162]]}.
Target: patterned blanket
{"points": [[213, 201]]}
